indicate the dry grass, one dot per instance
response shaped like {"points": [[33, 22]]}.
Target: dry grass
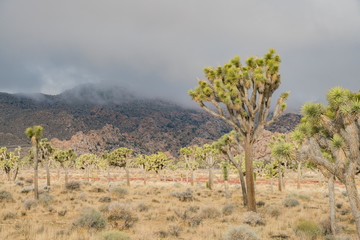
{"points": [[160, 214]]}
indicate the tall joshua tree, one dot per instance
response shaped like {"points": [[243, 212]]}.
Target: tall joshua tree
{"points": [[121, 158], [46, 151], [34, 134], [330, 138], [241, 95]]}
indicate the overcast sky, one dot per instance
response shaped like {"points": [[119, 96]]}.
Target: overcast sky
{"points": [[159, 47]]}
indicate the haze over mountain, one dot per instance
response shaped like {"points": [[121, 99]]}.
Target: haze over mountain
{"points": [[92, 118]]}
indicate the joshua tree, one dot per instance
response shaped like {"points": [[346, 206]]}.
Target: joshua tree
{"points": [[121, 158], [46, 151], [10, 162], [190, 155], [228, 144], [87, 161], [34, 134], [158, 162], [281, 151], [66, 160], [245, 93], [330, 138], [144, 163], [225, 171], [210, 157]]}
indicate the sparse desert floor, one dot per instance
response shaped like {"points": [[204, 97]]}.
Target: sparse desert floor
{"points": [[154, 211]]}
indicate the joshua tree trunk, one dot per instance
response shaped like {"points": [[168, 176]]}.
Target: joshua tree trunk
{"points": [[192, 177], [250, 187], [332, 204], [226, 189], [271, 184], [47, 175], [127, 176], [66, 175], [108, 173], [36, 183], [211, 178], [283, 178], [298, 175], [16, 173], [353, 196], [280, 178], [187, 176], [145, 176], [88, 174]]}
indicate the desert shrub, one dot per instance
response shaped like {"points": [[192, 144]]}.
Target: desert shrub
{"points": [[209, 212], [9, 215], [29, 180], [83, 196], [308, 227], [62, 213], [105, 199], [260, 203], [27, 189], [72, 185], [326, 226], [291, 202], [174, 230], [193, 209], [19, 183], [120, 215], [303, 196], [5, 196], [119, 191], [142, 207], [113, 235], [241, 233], [339, 205], [253, 219], [45, 199], [273, 211], [90, 218], [228, 209], [185, 196], [194, 221], [30, 203]]}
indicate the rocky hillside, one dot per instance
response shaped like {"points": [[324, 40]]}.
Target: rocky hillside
{"points": [[93, 118]]}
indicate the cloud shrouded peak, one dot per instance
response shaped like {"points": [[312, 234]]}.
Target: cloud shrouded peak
{"points": [[158, 48]]}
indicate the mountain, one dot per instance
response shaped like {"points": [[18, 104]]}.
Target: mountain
{"points": [[97, 118]]}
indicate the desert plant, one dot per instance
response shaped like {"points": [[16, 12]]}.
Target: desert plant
{"points": [[113, 235], [209, 212], [291, 202], [308, 227], [120, 215], [5, 196], [241, 232], [73, 185], [34, 134], [185, 196], [119, 191], [91, 219], [245, 91], [30, 203], [228, 209]]}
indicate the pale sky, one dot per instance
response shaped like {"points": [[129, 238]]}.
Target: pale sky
{"points": [[158, 48]]}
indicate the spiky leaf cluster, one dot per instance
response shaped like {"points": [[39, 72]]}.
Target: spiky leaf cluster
{"points": [[119, 157], [245, 90]]}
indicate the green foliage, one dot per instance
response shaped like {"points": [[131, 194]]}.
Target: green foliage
{"points": [[65, 158], [34, 133], [91, 219], [308, 227], [119, 157], [113, 235]]}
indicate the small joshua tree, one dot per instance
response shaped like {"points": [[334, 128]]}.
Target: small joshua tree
{"points": [[10, 162], [190, 155], [66, 160], [229, 146], [87, 161], [121, 158], [34, 134], [46, 151], [241, 95]]}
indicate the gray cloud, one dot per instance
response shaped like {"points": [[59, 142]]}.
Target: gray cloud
{"points": [[158, 48]]}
